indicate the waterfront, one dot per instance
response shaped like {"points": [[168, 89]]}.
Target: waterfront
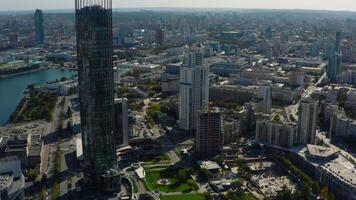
{"points": [[12, 88]]}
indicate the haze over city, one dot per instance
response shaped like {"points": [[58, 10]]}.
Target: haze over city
{"points": [[177, 100], [347, 5]]}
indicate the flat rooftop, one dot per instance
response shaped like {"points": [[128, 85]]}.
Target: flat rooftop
{"points": [[343, 165], [209, 165], [321, 152], [342, 168]]}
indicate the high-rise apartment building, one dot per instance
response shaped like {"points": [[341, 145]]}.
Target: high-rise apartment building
{"points": [[121, 122], [194, 87], [210, 136], [275, 133], [265, 95], [39, 28], [96, 84], [308, 113]]}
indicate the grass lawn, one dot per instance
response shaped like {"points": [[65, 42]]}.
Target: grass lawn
{"points": [[184, 197], [134, 186], [174, 186], [56, 191], [165, 157]]}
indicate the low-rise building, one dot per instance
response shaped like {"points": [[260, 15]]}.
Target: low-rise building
{"points": [[12, 181], [276, 134], [341, 124], [170, 78], [331, 166], [33, 150], [232, 93], [283, 93]]}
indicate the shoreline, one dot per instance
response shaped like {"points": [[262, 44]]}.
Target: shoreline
{"points": [[5, 77], [22, 73], [33, 70]]}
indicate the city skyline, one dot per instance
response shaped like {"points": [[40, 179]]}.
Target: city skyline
{"points": [[342, 5], [163, 102]]}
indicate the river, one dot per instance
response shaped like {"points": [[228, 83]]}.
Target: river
{"points": [[12, 88]]}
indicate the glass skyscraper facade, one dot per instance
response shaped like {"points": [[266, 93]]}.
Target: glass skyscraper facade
{"points": [[39, 28], [96, 84]]}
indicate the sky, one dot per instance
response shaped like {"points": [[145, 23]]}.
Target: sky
{"points": [[350, 5]]}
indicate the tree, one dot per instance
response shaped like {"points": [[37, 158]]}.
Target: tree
{"points": [[32, 175], [69, 112], [316, 188], [205, 174], [324, 193], [284, 194], [331, 196], [208, 196], [192, 184], [218, 159], [44, 179], [69, 128], [237, 184]]}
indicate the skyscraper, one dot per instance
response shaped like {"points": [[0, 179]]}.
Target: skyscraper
{"points": [[265, 94], [121, 121], [194, 87], [334, 63], [96, 84], [268, 33], [308, 113], [159, 37], [39, 29], [210, 136], [13, 40]]}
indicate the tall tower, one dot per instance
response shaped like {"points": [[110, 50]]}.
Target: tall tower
{"points": [[308, 112], [334, 63], [121, 122], [39, 29], [194, 87], [159, 37], [210, 136], [96, 83], [265, 94]]}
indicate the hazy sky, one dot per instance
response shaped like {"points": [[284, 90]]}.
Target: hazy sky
{"points": [[275, 4]]}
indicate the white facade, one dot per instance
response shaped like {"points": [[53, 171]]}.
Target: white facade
{"points": [[12, 181], [308, 112], [275, 134], [194, 88]]}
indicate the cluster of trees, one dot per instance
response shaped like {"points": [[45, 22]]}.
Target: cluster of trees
{"points": [[155, 110], [204, 174], [127, 55], [287, 194], [342, 97], [39, 106], [307, 185], [151, 87], [136, 105], [182, 176], [238, 195]]}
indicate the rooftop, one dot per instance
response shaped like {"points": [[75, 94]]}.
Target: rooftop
{"points": [[209, 165], [342, 166], [321, 151], [5, 180]]}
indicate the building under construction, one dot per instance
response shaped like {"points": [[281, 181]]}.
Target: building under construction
{"points": [[210, 136]]}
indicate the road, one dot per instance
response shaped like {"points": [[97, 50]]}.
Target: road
{"points": [[50, 148], [158, 134], [292, 110]]}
